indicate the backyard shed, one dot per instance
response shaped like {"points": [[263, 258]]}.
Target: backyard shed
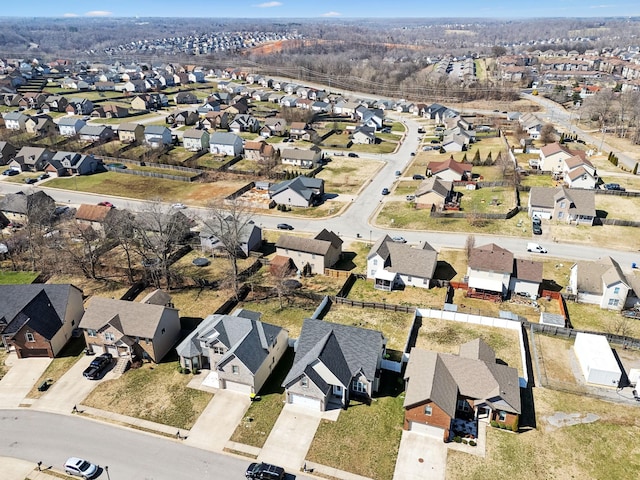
{"points": [[599, 365]]}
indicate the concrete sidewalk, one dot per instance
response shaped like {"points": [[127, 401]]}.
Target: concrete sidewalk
{"points": [[144, 425]]}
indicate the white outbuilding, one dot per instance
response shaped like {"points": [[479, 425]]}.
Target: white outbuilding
{"points": [[598, 364]]}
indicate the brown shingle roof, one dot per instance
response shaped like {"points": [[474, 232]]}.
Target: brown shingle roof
{"points": [[492, 258], [301, 244], [434, 184], [449, 164], [528, 270], [92, 213]]}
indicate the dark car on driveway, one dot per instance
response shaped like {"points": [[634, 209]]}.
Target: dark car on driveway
{"points": [[264, 471], [10, 172], [536, 228], [284, 226], [31, 180], [418, 177], [97, 366]]}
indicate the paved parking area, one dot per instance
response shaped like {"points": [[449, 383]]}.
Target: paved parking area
{"points": [[420, 457], [20, 378], [291, 436], [70, 389], [219, 420]]}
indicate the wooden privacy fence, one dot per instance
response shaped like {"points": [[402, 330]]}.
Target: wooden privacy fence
{"points": [[329, 272], [374, 305]]}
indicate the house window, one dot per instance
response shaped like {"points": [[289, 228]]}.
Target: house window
{"points": [[373, 272], [502, 416], [562, 205], [616, 290], [409, 278], [463, 405], [358, 386], [235, 370], [375, 262], [337, 390], [109, 337], [29, 337], [91, 333], [560, 215], [428, 410], [613, 302], [313, 256], [304, 382], [218, 350]]}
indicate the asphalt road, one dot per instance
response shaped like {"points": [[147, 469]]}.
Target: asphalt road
{"points": [[130, 455]]}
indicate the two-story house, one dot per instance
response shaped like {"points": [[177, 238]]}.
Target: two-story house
{"points": [[311, 255]]}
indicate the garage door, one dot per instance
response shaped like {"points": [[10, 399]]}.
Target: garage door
{"points": [[237, 387], [428, 430], [541, 214], [305, 401]]}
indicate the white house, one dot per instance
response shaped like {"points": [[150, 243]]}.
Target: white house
{"points": [[600, 282], [223, 143], [597, 362]]}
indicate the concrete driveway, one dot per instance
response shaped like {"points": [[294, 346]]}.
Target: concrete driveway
{"points": [[291, 436], [20, 378], [219, 420], [71, 389], [420, 457]]}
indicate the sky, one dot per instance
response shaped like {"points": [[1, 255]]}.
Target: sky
{"points": [[320, 8]]}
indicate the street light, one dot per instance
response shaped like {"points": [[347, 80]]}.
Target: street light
{"points": [[369, 237], [106, 469]]}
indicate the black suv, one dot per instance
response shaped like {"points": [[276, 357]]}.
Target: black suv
{"points": [[264, 471], [97, 365]]}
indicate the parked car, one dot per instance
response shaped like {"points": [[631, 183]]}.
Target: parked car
{"points": [[178, 206], [536, 248], [398, 173], [30, 180], [536, 220], [410, 198], [353, 155], [80, 468], [43, 176], [106, 204], [385, 191], [613, 186], [421, 130], [413, 154], [97, 366], [536, 228], [399, 239], [418, 177], [284, 226], [120, 166], [264, 471], [10, 172]]}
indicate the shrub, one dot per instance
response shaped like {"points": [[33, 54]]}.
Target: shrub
{"points": [[180, 369], [457, 439], [464, 441], [494, 424], [472, 443]]}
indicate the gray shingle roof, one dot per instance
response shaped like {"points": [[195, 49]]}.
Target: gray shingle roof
{"points": [[404, 259], [592, 275]]}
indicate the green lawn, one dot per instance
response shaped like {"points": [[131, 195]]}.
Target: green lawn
{"points": [[9, 278], [365, 439]]}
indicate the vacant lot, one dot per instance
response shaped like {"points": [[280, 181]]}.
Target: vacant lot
{"points": [[580, 451], [411, 296], [11, 278], [344, 175], [157, 393], [446, 337], [487, 200], [614, 206]]}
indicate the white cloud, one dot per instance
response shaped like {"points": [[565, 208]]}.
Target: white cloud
{"points": [[331, 14], [601, 6], [70, 15], [98, 13], [268, 4]]}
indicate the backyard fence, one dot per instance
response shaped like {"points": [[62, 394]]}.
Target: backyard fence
{"points": [[375, 305]]}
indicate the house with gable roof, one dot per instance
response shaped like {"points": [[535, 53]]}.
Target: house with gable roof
{"points": [[15, 120], [303, 158], [17, 207], [225, 143], [31, 159], [7, 153], [434, 192], [394, 265], [567, 205], [298, 192], [450, 170], [93, 216], [601, 282], [239, 350], [157, 136], [311, 255], [96, 133], [147, 329], [195, 140], [489, 269], [73, 163], [38, 319], [131, 132], [446, 395], [364, 135], [260, 151], [333, 365], [552, 157], [70, 126], [578, 172]]}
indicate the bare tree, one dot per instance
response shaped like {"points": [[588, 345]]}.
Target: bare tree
{"points": [[548, 133], [230, 223], [86, 248], [469, 245], [623, 326], [120, 226], [281, 276]]}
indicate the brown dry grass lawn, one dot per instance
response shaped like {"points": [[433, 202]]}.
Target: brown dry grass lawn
{"points": [[601, 450], [623, 208], [451, 262], [89, 287], [522, 307], [554, 360], [446, 337], [218, 269], [290, 316], [585, 316], [345, 175], [157, 393], [394, 326], [195, 302], [411, 296]]}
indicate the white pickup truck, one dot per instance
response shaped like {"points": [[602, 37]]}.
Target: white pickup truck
{"points": [[536, 248]]}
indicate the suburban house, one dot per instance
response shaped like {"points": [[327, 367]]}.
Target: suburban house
{"points": [[96, 133], [446, 394], [148, 329], [18, 207], [578, 172], [244, 123], [526, 278], [93, 216], [73, 163], [157, 136], [553, 155], [185, 98], [79, 106], [298, 192], [297, 130], [274, 126], [14, 120], [216, 120], [334, 364], [301, 158], [31, 159], [260, 151], [311, 255], [131, 132], [70, 126], [55, 103], [489, 270], [250, 239], [434, 193], [225, 143], [110, 110], [600, 282], [195, 140], [7, 153], [531, 124], [183, 118], [37, 320], [41, 125], [394, 265], [239, 350], [571, 206], [364, 135], [450, 170]]}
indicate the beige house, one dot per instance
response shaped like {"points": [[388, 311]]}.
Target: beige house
{"points": [[311, 255], [434, 192], [301, 158], [576, 206], [600, 282], [147, 330], [131, 132]]}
